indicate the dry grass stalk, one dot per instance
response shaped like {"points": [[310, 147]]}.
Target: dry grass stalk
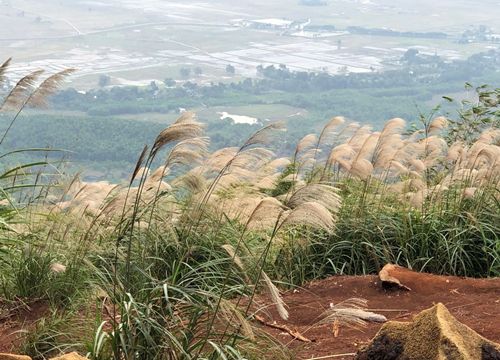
{"points": [[312, 214], [183, 128], [275, 296], [21, 91], [350, 312], [3, 70], [48, 87]]}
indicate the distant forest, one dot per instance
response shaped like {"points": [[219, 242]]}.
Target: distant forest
{"points": [[419, 78]]}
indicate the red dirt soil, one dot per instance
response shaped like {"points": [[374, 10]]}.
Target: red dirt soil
{"points": [[474, 302], [14, 321]]}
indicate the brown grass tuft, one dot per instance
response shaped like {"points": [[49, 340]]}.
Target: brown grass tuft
{"points": [[3, 70], [312, 214], [275, 296], [21, 91], [47, 88], [183, 128]]}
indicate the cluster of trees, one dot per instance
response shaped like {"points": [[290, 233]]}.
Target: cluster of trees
{"points": [[390, 32], [417, 69], [186, 72], [417, 81], [371, 97], [419, 77]]}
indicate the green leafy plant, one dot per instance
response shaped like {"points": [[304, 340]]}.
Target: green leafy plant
{"points": [[475, 115]]}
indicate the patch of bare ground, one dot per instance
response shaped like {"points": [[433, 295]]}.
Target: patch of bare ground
{"points": [[15, 319], [474, 302]]}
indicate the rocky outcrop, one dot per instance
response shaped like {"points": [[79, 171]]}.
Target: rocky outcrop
{"points": [[389, 279], [13, 357], [434, 334]]}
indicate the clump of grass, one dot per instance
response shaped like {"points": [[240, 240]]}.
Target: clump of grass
{"points": [[52, 335], [410, 199], [185, 245]]}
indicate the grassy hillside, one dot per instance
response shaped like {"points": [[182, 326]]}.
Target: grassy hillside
{"points": [[171, 262], [167, 265]]}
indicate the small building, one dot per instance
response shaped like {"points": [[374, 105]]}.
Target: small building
{"points": [[270, 23]]}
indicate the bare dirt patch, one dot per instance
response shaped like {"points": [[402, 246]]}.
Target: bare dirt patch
{"points": [[14, 320], [474, 302]]}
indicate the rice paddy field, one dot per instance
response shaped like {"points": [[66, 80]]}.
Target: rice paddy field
{"points": [[101, 37]]}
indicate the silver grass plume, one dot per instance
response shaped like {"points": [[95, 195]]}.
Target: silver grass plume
{"points": [[252, 159], [263, 136], [188, 152], [437, 125], [21, 91], [350, 312], [418, 165], [47, 88], [341, 152], [389, 143], [232, 314], [267, 208], [312, 214], [3, 70], [232, 253], [275, 296], [323, 194], [219, 158], [193, 181], [304, 143], [329, 128], [183, 128], [138, 164], [359, 137], [362, 168], [399, 168]]}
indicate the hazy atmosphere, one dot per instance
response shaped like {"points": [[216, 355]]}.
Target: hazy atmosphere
{"points": [[268, 179]]}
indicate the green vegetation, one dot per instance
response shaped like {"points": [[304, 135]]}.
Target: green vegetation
{"points": [[104, 129], [170, 264]]}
